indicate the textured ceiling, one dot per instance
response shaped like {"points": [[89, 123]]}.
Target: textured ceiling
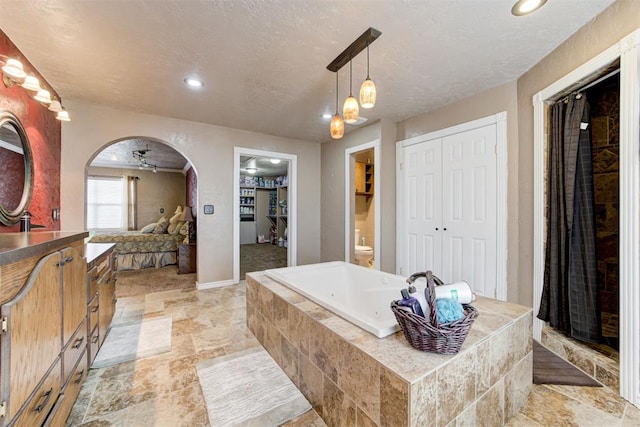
{"points": [[120, 155], [264, 61]]}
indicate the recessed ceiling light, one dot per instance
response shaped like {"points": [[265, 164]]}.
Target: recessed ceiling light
{"points": [[275, 161], [194, 83], [525, 7], [327, 115], [252, 170]]}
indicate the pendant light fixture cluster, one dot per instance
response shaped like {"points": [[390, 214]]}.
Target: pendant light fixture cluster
{"points": [[351, 109], [13, 74]]}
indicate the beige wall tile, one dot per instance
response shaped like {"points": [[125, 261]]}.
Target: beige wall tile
{"points": [[502, 354], [266, 303], [281, 315], [518, 385], [359, 378], [290, 360], [490, 407], [483, 371], [394, 399], [311, 380], [423, 401], [299, 325], [363, 420], [455, 391], [337, 409], [325, 350], [466, 419]]}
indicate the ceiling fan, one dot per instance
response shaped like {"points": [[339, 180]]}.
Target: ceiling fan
{"points": [[140, 156]]}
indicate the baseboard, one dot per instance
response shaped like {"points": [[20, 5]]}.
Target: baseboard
{"points": [[213, 285]]}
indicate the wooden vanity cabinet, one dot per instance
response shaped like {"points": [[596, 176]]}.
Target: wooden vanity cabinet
{"points": [[101, 298], [43, 314]]}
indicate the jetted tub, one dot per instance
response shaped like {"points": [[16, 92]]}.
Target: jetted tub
{"points": [[358, 294]]}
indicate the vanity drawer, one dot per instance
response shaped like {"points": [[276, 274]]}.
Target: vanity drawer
{"points": [[45, 396], [93, 312], [92, 286], [73, 351], [93, 344], [70, 393]]}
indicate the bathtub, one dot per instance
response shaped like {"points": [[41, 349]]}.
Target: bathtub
{"points": [[358, 294]]}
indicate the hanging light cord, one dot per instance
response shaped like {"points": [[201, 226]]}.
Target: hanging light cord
{"points": [[336, 92], [368, 78], [350, 79]]}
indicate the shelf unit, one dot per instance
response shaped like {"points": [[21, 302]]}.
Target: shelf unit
{"points": [[278, 210], [364, 179], [247, 203]]}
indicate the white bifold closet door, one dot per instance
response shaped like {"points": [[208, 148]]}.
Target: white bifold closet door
{"points": [[450, 208]]}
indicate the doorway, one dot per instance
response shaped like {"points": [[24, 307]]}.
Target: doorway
{"points": [[264, 211], [627, 51], [362, 205]]}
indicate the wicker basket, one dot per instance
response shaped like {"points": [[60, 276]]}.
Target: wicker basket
{"points": [[426, 334]]}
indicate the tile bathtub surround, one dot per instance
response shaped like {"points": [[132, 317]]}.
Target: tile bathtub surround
{"points": [[353, 378], [164, 390], [593, 363]]}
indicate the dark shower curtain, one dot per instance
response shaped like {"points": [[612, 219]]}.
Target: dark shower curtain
{"points": [[570, 293]]}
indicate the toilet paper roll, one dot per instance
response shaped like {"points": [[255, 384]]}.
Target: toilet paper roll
{"points": [[460, 291]]}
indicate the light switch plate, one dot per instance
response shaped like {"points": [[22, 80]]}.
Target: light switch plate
{"points": [[208, 209]]}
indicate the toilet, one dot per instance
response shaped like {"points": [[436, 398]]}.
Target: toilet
{"points": [[363, 254]]}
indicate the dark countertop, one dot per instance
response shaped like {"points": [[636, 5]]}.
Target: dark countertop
{"points": [[95, 250], [17, 246]]}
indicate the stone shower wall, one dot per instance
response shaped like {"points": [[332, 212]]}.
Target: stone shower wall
{"points": [[605, 139]]}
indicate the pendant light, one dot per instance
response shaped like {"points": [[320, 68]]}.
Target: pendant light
{"points": [[368, 89], [337, 125], [350, 110]]}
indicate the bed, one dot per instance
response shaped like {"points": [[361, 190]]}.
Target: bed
{"points": [[136, 250]]}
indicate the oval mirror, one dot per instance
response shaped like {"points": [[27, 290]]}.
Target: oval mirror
{"points": [[16, 172]]}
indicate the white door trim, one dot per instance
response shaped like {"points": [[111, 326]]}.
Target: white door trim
{"points": [[292, 211], [348, 192], [628, 50], [500, 120]]}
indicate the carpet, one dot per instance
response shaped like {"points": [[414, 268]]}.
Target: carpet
{"points": [[248, 388], [148, 280], [259, 257], [548, 368], [135, 340]]}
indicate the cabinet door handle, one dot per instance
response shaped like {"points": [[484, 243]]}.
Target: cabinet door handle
{"points": [[68, 259], [78, 342], [80, 374], [94, 277], [94, 309], [46, 396], [95, 339]]}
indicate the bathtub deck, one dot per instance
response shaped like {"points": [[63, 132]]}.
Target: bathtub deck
{"points": [[353, 378]]}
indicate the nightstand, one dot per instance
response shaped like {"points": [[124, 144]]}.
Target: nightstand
{"points": [[187, 254]]}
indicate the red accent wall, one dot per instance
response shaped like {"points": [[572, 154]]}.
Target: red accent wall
{"points": [[44, 133]]}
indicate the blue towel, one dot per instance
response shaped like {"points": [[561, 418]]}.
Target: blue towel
{"points": [[448, 310]]}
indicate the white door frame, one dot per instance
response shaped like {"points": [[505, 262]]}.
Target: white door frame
{"points": [[628, 51], [292, 204], [500, 120], [348, 197]]}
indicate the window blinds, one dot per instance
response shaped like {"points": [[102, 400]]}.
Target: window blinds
{"points": [[106, 203]]}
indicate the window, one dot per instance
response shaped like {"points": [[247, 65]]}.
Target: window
{"points": [[106, 203]]}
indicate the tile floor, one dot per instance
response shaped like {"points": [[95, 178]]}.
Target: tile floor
{"points": [[164, 391]]}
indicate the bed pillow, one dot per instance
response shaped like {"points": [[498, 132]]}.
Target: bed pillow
{"points": [[161, 226], [148, 228], [175, 227], [174, 221]]}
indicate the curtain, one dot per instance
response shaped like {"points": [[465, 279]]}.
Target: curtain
{"points": [[570, 292], [132, 205]]}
